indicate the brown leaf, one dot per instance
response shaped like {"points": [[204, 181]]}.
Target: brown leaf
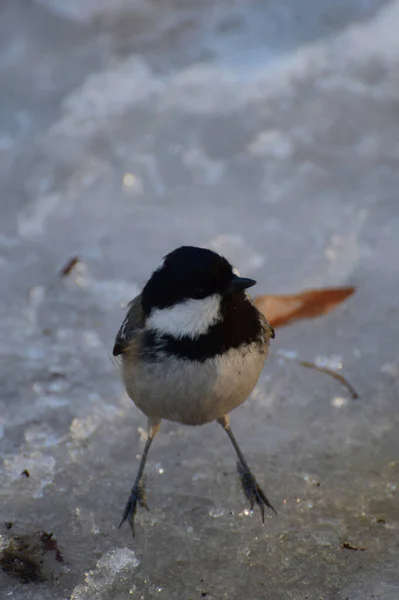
{"points": [[349, 546], [69, 266], [334, 374], [283, 309]]}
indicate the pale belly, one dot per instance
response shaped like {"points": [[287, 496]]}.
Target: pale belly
{"points": [[194, 393]]}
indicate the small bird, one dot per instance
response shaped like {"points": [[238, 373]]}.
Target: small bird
{"points": [[192, 347]]}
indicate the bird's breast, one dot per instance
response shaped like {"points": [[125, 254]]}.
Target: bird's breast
{"points": [[166, 386]]}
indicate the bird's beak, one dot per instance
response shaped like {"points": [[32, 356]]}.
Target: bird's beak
{"points": [[238, 284]]}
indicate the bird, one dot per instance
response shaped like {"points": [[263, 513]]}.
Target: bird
{"points": [[191, 349]]}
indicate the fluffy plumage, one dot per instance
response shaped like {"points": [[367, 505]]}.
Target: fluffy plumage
{"points": [[192, 347], [196, 359]]}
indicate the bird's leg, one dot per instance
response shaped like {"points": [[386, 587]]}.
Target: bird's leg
{"points": [[250, 486], [137, 495]]}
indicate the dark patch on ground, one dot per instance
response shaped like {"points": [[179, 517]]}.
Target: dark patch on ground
{"points": [[31, 558]]}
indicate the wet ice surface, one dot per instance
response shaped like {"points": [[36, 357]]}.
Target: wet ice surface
{"points": [[268, 132]]}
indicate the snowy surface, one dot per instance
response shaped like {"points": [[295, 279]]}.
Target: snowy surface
{"points": [[268, 131]]}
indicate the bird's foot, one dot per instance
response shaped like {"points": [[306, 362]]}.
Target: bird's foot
{"points": [[253, 491], [137, 496]]}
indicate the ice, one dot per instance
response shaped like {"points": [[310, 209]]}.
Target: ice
{"points": [[273, 143], [239, 251], [83, 12], [82, 428], [113, 574], [267, 131], [204, 170], [37, 467], [107, 94], [32, 222], [333, 362]]}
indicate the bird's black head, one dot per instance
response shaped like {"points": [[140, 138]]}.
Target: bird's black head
{"points": [[190, 273]]}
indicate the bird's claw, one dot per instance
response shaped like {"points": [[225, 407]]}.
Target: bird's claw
{"points": [[137, 496], [253, 491]]}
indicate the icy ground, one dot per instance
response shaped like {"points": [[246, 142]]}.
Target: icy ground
{"points": [[270, 132]]}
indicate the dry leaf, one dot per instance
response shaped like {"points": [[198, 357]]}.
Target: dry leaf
{"points": [[283, 309], [334, 374], [349, 546], [69, 266]]}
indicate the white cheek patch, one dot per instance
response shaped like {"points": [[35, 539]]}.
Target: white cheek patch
{"points": [[190, 318], [236, 272]]}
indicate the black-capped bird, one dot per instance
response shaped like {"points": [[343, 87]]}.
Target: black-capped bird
{"points": [[192, 347]]}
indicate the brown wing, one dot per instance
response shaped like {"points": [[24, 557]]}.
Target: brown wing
{"points": [[132, 324]]}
